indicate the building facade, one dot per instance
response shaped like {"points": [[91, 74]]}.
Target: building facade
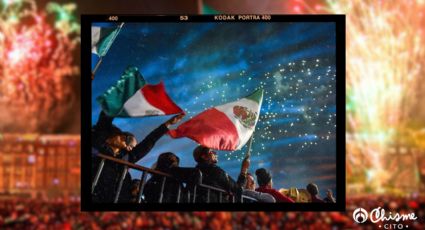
{"points": [[46, 166]]}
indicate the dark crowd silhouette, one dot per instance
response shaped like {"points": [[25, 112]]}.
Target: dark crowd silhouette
{"points": [[206, 182]]}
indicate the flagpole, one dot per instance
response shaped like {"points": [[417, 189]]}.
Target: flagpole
{"points": [[247, 161], [248, 152], [106, 50], [113, 39], [96, 67]]}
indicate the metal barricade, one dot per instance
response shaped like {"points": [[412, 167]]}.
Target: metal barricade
{"points": [[191, 195], [127, 165]]}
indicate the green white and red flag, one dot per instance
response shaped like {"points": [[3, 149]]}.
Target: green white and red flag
{"points": [[224, 127], [132, 97]]}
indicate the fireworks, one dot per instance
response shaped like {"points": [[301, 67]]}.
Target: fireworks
{"points": [[36, 67], [298, 96], [303, 7], [384, 45]]}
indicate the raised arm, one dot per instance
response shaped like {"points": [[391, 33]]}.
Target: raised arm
{"points": [[104, 122], [143, 147], [244, 170]]}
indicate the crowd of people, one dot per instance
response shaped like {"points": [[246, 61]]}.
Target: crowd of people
{"points": [[109, 139], [36, 214]]}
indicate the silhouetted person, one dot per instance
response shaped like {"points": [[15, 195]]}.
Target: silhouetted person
{"points": [[249, 190], [329, 197], [135, 185], [215, 176], [110, 140], [265, 182], [169, 163], [313, 189]]}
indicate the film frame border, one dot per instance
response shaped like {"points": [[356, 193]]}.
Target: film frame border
{"points": [[86, 201]]}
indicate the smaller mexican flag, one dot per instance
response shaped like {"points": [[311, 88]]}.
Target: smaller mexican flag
{"points": [[131, 97], [102, 38], [224, 127]]}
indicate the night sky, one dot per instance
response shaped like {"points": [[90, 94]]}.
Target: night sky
{"points": [[208, 64]]}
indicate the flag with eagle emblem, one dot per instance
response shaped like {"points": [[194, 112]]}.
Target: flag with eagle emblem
{"points": [[224, 127]]}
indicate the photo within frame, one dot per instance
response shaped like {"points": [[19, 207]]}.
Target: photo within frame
{"points": [[225, 112]]}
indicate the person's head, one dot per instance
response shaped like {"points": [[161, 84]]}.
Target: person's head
{"points": [[130, 140], [167, 160], [250, 183], [264, 178], [312, 189], [135, 184], [203, 154], [122, 140], [329, 193]]}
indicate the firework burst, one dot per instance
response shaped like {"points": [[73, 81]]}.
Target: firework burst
{"points": [[384, 46], [37, 66]]}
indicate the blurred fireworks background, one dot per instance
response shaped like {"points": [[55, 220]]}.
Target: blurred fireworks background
{"points": [[39, 75], [385, 119]]}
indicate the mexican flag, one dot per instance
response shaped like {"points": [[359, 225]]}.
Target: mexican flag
{"points": [[132, 97], [224, 127], [102, 38]]}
